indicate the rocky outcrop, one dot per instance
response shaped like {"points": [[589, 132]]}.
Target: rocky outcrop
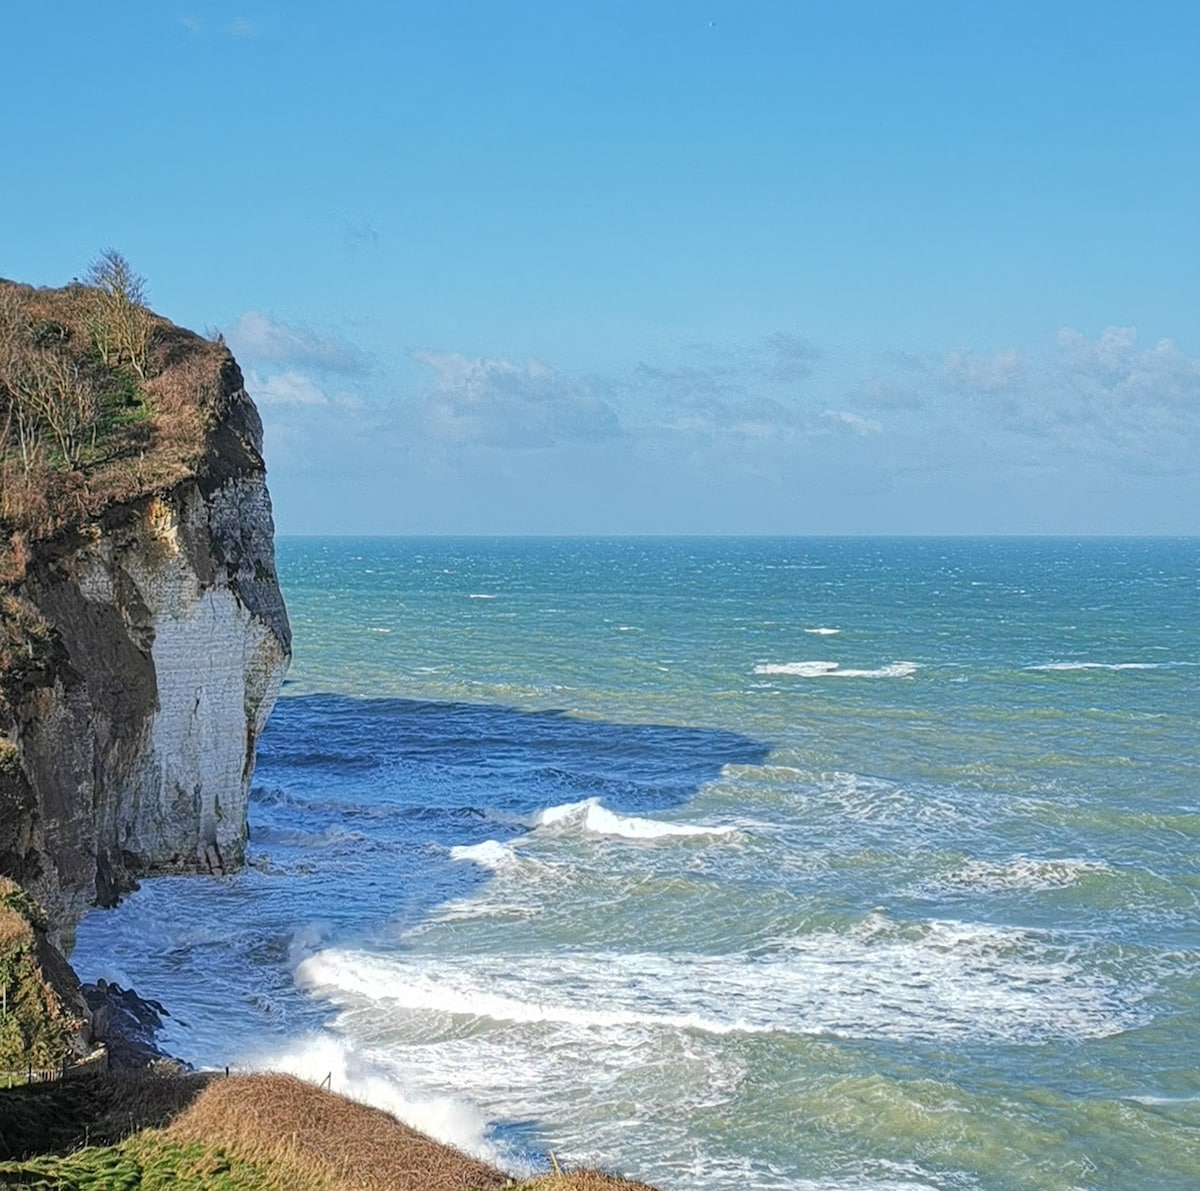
{"points": [[145, 647]]}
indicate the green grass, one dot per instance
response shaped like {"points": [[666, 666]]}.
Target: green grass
{"points": [[148, 1161]]}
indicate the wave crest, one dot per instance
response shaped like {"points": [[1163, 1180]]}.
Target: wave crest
{"points": [[834, 670], [591, 817]]}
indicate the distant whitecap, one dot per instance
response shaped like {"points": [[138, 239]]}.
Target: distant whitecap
{"points": [[834, 670]]}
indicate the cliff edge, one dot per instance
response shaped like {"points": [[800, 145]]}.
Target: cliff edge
{"points": [[143, 635]]}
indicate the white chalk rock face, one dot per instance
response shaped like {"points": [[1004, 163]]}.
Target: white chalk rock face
{"points": [[217, 668]]}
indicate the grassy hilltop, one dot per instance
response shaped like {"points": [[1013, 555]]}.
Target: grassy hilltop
{"points": [[101, 400]]}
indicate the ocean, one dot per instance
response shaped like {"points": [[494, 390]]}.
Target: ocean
{"points": [[724, 863]]}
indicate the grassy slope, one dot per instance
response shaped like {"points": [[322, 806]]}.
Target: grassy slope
{"points": [[268, 1132]]}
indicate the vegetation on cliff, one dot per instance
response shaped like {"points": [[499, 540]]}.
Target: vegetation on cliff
{"points": [[38, 1029], [101, 401]]}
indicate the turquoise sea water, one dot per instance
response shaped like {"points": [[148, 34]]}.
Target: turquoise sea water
{"points": [[724, 863]]}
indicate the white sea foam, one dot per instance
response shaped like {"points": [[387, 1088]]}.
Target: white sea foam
{"points": [[1022, 873], [1161, 1101], [105, 970], [308, 938], [823, 632], [480, 596], [1067, 666], [489, 854], [932, 981], [590, 816], [323, 1057], [293, 837], [834, 670]]}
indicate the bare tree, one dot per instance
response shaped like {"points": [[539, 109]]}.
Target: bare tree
{"points": [[63, 397], [16, 351], [43, 386], [120, 323]]}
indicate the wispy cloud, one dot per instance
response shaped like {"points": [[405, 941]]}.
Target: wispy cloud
{"points": [[258, 339], [359, 235], [853, 421], [882, 393], [476, 401], [285, 388], [788, 357], [1114, 400], [907, 360], [1101, 399], [984, 374]]}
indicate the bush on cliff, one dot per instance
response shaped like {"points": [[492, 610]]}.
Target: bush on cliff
{"points": [[37, 1030], [101, 400]]}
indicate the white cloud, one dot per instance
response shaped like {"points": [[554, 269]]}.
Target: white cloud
{"points": [[260, 339], [1114, 400], [973, 373], [490, 402], [285, 388], [855, 422], [789, 357], [887, 394], [1106, 355]]}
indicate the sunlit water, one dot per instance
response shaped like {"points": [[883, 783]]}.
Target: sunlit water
{"points": [[727, 864]]}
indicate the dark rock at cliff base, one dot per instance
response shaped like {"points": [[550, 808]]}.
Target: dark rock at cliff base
{"points": [[128, 1025]]}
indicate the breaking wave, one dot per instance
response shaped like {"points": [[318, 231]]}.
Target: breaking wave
{"points": [[933, 981], [834, 670], [591, 817], [1069, 666]]}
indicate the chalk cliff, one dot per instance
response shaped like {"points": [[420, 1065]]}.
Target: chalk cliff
{"points": [[145, 643]]}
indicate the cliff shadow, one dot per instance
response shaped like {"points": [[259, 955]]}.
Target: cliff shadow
{"points": [[344, 778], [93, 1109]]}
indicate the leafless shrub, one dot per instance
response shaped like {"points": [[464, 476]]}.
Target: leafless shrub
{"points": [[121, 323]]}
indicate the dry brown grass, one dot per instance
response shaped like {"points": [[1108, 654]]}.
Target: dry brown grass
{"points": [[588, 1180], [14, 930], [279, 1121]]}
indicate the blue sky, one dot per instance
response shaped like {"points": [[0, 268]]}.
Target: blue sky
{"points": [[652, 267]]}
